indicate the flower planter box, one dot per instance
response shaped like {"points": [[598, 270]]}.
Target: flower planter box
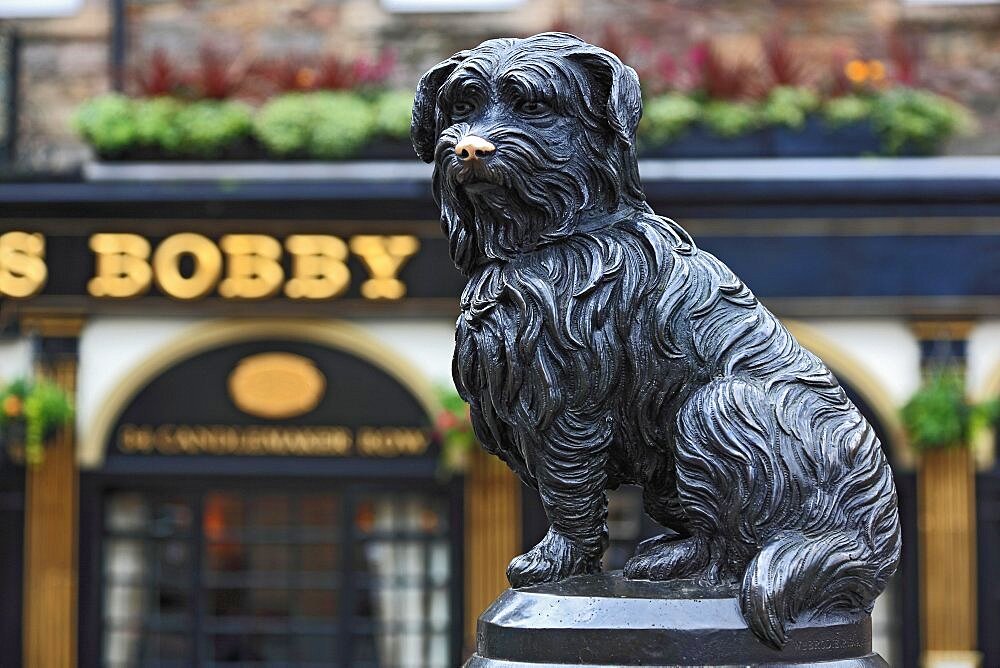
{"points": [[818, 139], [700, 142], [257, 170], [249, 150], [389, 149]]}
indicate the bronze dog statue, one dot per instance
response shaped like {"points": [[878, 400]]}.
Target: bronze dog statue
{"points": [[597, 345]]}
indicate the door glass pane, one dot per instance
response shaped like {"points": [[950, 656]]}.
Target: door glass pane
{"points": [[248, 577], [147, 580], [271, 576], [402, 568]]}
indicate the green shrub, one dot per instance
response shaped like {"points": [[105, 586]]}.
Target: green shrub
{"points": [[283, 125], [667, 117], [343, 124], [156, 122], [938, 415], [108, 123], [847, 110], [321, 125], [789, 106], [730, 119], [917, 119], [208, 127], [392, 110]]}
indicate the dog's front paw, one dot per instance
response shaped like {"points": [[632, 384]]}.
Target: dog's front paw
{"points": [[553, 559]]}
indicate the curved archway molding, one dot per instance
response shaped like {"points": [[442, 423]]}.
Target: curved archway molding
{"points": [[217, 333], [850, 371]]}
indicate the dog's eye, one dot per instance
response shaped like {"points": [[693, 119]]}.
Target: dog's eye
{"points": [[461, 108], [533, 108]]}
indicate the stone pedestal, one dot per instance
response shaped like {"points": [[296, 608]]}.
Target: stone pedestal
{"points": [[606, 620]]}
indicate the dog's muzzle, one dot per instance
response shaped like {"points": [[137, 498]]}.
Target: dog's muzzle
{"points": [[471, 148]]}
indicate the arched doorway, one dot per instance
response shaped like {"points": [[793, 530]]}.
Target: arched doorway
{"points": [[267, 494]]}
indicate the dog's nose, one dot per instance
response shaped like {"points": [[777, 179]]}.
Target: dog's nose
{"points": [[472, 147]]}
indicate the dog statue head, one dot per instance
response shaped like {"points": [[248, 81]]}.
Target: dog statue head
{"points": [[531, 139]]}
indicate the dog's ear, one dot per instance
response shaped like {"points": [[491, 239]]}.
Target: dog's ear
{"points": [[423, 126], [621, 84]]}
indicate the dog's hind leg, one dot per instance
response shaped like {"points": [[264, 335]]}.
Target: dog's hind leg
{"points": [[727, 474], [670, 555], [571, 473]]}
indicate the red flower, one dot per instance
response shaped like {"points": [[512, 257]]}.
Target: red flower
{"points": [[446, 420]]}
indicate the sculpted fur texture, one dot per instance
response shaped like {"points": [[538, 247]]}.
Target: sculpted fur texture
{"points": [[598, 346]]}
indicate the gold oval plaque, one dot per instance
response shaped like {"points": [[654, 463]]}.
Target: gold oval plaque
{"points": [[276, 385]]}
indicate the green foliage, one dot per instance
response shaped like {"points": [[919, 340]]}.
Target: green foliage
{"points": [[336, 125], [156, 122], [453, 428], [283, 125], [107, 122], [207, 127], [846, 110], [42, 406], [938, 415], [731, 119], [984, 415], [393, 111], [917, 119], [789, 106], [666, 117], [115, 123], [322, 125], [343, 124]]}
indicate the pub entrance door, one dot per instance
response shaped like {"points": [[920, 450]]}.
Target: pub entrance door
{"points": [[269, 496], [355, 574]]}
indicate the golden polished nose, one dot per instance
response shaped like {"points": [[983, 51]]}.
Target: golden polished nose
{"points": [[472, 147]]}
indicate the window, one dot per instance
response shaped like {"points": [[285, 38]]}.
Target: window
{"points": [[238, 578], [470, 6], [38, 8]]}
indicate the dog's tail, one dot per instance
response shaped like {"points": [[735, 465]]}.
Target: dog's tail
{"points": [[796, 573], [846, 543]]}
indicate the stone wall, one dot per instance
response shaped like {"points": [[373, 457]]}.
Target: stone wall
{"points": [[63, 62], [66, 60], [957, 48]]}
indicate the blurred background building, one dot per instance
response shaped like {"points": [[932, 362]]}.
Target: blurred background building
{"points": [[217, 245]]}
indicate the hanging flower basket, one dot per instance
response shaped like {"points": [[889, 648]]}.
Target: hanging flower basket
{"points": [[453, 430], [939, 416], [31, 412]]}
